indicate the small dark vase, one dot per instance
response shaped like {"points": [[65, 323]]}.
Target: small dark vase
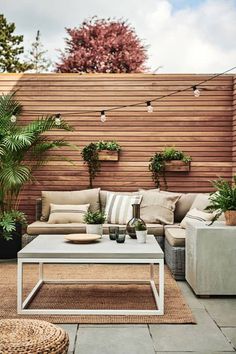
{"points": [[130, 227], [9, 249]]}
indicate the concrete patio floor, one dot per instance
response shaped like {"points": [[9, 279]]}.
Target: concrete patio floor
{"points": [[215, 332]]}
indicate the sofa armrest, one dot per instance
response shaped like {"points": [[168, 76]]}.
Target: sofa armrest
{"points": [[38, 208]]}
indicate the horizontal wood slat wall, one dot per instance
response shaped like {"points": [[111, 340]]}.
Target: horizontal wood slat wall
{"points": [[234, 126], [201, 127]]}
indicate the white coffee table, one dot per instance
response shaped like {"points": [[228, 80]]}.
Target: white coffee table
{"points": [[53, 249]]}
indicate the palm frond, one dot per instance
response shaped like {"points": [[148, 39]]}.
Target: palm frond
{"points": [[44, 124], [13, 176], [9, 106]]}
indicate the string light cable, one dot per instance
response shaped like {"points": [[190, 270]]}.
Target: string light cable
{"points": [[195, 88]]}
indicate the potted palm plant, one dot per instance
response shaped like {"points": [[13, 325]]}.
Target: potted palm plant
{"points": [[94, 221], [23, 149], [224, 200]]}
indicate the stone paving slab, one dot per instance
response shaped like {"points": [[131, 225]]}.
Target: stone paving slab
{"points": [[71, 329], [204, 336], [230, 333], [115, 340], [222, 310], [189, 296]]}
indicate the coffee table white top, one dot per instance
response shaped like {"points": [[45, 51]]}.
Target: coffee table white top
{"points": [[54, 246]]}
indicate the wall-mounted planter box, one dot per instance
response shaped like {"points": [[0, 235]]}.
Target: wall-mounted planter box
{"points": [[108, 155], [177, 166]]}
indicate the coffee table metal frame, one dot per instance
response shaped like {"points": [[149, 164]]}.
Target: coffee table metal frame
{"points": [[22, 304]]}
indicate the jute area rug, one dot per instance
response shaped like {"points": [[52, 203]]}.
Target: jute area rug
{"points": [[92, 296]]}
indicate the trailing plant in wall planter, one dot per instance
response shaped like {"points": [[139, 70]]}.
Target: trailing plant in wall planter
{"points": [[169, 160], [93, 153], [108, 150], [23, 149]]}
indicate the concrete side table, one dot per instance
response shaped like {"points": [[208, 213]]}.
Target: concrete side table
{"points": [[211, 258]]}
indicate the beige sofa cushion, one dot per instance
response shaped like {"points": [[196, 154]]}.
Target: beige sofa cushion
{"points": [[44, 228], [196, 215], [87, 196], [158, 207], [175, 236], [201, 201], [62, 214]]}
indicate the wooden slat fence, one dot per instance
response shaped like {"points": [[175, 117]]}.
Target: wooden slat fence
{"points": [[201, 127]]}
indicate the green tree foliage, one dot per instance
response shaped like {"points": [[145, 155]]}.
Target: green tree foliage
{"points": [[37, 56], [10, 48]]}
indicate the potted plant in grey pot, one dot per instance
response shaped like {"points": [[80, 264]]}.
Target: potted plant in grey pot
{"points": [[23, 149], [94, 222], [141, 232], [223, 200]]}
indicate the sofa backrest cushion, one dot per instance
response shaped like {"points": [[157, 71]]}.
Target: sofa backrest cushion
{"points": [[183, 205], [87, 196]]}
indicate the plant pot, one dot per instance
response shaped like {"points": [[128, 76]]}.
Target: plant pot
{"points": [[230, 217], [9, 249], [177, 166], [94, 229], [108, 155], [141, 236]]}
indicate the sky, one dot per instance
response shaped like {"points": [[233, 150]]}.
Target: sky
{"points": [[183, 36]]}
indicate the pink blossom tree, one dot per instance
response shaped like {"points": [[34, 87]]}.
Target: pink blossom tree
{"points": [[102, 46]]}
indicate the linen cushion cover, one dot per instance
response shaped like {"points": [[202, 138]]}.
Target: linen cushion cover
{"points": [[68, 213], [118, 208], [88, 196], [158, 207], [196, 215], [104, 194]]}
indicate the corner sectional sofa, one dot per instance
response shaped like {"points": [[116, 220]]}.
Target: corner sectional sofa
{"points": [[170, 237]]}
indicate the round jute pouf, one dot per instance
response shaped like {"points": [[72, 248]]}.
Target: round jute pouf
{"points": [[32, 337]]}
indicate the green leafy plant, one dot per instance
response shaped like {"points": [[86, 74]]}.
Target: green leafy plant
{"points": [[23, 149], [8, 221], [90, 156], [158, 161], [96, 217], [224, 198], [139, 226], [108, 145]]}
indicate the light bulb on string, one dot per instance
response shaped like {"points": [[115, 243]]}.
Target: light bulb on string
{"points": [[58, 119], [196, 91], [13, 118], [149, 106], [103, 116]]}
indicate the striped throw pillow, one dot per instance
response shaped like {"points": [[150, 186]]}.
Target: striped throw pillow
{"points": [[118, 208], [68, 213], [196, 215]]}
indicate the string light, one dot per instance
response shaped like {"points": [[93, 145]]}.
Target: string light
{"points": [[196, 91], [58, 119], [149, 106], [103, 117], [13, 118]]}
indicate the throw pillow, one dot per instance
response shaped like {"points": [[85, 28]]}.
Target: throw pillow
{"points": [[118, 208], [87, 196], [201, 201], [63, 214], [196, 215], [158, 207]]}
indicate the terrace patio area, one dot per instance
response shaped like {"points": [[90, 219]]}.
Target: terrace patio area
{"points": [[203, 128]]}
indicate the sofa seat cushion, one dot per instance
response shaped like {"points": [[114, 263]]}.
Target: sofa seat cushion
{"points": [[44, 228], [175, 236]]}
